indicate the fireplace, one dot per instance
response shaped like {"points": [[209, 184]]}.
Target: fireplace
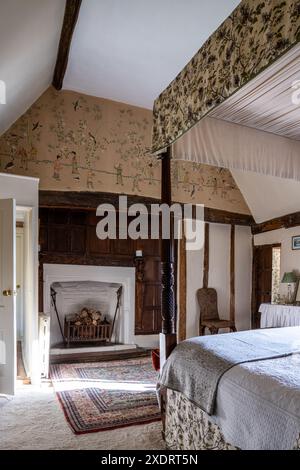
{"points": [[90, 311], [94, 288]]}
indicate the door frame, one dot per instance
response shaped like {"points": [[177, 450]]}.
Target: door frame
{"points": [[254, 278], [25, 190], [30, 314]]}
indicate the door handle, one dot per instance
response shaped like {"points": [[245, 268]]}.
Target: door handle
{"points": [[9, 293]]}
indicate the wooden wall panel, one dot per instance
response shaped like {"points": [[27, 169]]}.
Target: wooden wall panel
{"points": [[68, 236]]}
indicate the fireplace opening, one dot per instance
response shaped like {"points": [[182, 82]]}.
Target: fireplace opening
{"points": [[86, 313]]}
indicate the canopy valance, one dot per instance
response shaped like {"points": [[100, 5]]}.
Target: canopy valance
{"points": [[255, 35]]}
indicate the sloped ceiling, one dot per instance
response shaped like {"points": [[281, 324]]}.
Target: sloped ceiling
{"points": [[29, 37], [130, 50], [268, 197]]}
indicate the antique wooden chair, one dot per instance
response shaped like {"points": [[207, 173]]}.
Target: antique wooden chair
{"points": [[209, 315]]}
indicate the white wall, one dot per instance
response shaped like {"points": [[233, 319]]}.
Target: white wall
{"points": [[290, 259], [25, 191], [219, 276]]}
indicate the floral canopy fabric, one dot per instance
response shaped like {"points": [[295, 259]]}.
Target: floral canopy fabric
{"points": [[252, 38]]}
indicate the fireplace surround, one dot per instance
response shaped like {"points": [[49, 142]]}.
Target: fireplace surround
{"points": [[124, 276]]}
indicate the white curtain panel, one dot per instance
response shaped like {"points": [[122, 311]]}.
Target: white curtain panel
{"points": [[257, 129]]}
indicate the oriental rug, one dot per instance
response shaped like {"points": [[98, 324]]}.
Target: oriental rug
{"points": [[107, 395]]}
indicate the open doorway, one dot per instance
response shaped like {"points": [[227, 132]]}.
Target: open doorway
{"points": [[265, 278], [20, 299], [18, 310]]}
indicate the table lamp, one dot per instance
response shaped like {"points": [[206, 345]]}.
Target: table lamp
{"points": [[289, 279]]}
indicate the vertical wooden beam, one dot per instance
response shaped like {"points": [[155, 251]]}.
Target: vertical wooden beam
{"points": [[168, 338], [69, 23], [139, 292], [254, 284], [182, 286], [232, 274], [206, 257]]}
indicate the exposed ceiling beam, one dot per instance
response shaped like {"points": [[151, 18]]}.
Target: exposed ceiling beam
{"points": [[286, 221], [90, 200], [70, 20]]}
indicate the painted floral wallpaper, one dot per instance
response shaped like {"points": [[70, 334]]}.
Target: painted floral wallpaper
{"points": [[75, 142]]}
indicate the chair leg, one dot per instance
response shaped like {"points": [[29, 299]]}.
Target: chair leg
{"points": [[213, 330], [233, 329], [202, 330]]}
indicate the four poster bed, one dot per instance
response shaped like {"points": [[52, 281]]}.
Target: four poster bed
{"points": [[233, 106]]}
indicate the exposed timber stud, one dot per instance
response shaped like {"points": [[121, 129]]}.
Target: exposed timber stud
{"points": [[206, 257], [232, 274]]}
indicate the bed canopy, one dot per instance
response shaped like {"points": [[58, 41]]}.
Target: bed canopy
{"points": [[236, 105]]}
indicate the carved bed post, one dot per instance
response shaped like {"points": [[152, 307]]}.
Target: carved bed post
{"points": [[168, 338]]}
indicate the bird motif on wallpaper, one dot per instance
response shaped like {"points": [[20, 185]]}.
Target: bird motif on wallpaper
{"points": [[36, 126], [9, 165]]}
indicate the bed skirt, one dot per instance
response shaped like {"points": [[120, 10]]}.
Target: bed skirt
{"points": [[187, 427]]}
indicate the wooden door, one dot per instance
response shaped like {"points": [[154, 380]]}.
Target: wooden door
{"points": [[262, 280]]}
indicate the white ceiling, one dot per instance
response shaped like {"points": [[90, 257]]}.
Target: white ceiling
{"points": [[130, 50], [268, 197], [29, 37]]}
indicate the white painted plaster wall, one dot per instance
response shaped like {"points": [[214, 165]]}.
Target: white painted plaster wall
{"points": [[219, 276]]}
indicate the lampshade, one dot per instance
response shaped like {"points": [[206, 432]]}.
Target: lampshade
{"points": [[289, 278]]}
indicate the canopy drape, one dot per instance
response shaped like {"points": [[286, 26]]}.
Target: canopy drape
{"points": [[224, 144]]}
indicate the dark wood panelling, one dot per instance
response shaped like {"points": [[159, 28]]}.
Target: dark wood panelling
{"points": [[91, 200], [68, 236]]}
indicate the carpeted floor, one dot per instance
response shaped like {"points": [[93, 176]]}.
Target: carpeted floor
{"points": [[107, 395], [34, 420]]}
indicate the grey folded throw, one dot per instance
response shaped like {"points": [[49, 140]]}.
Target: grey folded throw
{"points": [[196, 366]]}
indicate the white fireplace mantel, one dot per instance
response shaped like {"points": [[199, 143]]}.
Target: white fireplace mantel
{"points": [[108, 274]]}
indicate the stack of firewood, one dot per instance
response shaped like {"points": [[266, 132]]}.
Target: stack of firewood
{"points": [[89, 317]]}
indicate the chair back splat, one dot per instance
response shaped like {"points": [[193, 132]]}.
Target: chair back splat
{"points": [[209, 314]]}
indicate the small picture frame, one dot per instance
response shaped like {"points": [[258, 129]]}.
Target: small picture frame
{"points": [[296, 243]]}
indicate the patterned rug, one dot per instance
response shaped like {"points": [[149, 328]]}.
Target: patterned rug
{"points": [[107, 395]]}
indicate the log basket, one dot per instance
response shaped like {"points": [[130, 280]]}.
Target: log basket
{"points": [[86, 333], [73, 333]]}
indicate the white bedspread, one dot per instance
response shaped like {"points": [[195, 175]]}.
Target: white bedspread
{"points": [[258, 404]]}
